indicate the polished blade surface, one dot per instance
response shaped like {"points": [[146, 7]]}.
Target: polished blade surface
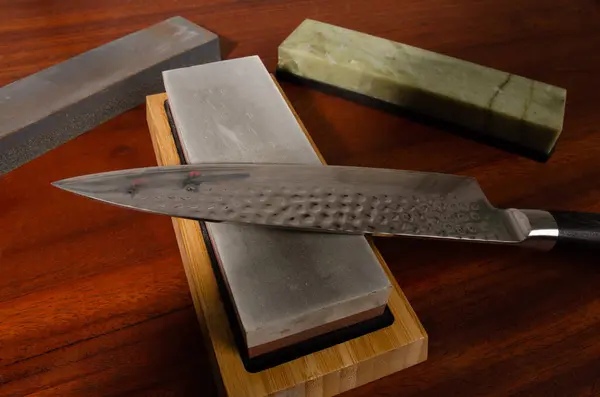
{"points": [[326, 198]]}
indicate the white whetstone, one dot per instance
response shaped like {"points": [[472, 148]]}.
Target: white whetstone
{"points": [[281, 283]]}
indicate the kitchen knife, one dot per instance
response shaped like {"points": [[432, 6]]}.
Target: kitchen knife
{"points": [[336, 199]]}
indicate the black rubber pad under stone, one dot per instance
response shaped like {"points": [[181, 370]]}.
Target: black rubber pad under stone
{"points": [[289, 353]]}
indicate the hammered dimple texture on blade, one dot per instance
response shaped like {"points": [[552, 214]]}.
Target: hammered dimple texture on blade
{"points": [[343, 209]]}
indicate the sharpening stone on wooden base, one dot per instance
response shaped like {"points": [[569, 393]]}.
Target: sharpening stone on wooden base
{"points": [[321, 366], [286, 286], [46, 109], [502, 109]]}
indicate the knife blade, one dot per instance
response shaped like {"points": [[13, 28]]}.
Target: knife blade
{"points": [[335, 199]]}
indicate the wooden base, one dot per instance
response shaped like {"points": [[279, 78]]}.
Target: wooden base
{"points": [[327, 372]]}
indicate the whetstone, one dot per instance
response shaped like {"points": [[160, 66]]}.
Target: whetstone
{"points": [[46, 109], [497, 107], [327, 369], [285, 287]]}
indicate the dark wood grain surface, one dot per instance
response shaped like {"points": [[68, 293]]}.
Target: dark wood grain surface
{"points": [[94, 300]]}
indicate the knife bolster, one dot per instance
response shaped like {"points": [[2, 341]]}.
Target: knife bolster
{"points": [[539, 228]]}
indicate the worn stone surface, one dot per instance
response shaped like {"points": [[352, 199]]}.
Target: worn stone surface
{"points": [[46, 109], [281, 283], [492, 102]]}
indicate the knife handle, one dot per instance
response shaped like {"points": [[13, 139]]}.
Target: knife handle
{"points": [[577, 229]]}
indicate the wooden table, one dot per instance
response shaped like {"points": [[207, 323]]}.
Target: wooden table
{"points": [[94, 300]]}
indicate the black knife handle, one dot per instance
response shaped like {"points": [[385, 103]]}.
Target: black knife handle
{"points": [[577, 229]]}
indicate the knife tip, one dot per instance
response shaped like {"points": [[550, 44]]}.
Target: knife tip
{"points": [[58, 184], [65, 184]]}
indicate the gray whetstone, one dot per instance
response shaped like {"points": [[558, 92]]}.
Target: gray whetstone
{"points": [[44, 110], [281, 282]]}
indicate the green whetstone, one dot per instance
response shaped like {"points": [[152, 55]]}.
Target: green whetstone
{"points": [[508, 109]]}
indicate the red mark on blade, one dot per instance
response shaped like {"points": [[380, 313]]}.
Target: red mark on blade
{"points": [[138, 181]]}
